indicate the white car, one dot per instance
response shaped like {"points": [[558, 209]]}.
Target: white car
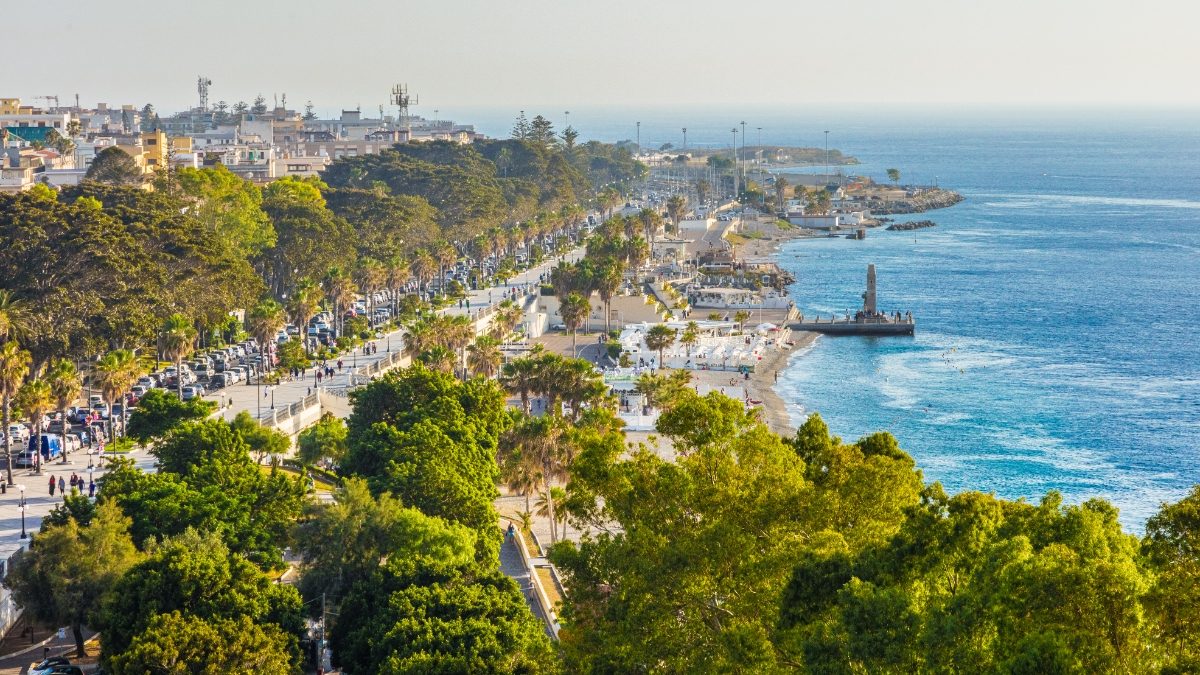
{"points": [[18, 432], [192, 391]]}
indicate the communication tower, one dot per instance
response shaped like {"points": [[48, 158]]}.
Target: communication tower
{"points": [[402, 99], [202, 85]]}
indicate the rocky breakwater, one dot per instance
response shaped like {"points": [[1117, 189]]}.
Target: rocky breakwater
{"points": [[913, 225], [916, 201]]}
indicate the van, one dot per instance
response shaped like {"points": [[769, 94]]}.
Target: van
{"points": [[51, 449]]}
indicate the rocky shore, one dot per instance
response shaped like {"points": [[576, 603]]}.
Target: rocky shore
{"points": [[920, 202], [913, 225]]}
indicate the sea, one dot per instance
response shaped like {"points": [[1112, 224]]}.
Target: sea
{"points": [[1057, 306]]}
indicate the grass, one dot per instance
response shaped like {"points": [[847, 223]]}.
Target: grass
{"points": [[292, 473], [550, 587]]}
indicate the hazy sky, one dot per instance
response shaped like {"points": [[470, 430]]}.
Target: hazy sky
{"points": [[526, 53]]}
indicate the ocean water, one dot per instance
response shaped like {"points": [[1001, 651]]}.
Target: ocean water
{"points": [[1057, 307]]}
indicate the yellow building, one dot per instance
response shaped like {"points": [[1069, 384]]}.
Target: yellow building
{"points": [[154, 149], [10, 106]]}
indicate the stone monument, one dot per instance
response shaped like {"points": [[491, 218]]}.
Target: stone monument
{"points": [[869, 297]]}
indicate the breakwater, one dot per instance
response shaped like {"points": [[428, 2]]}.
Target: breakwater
{"points": [[914, 225], [918, 202]]}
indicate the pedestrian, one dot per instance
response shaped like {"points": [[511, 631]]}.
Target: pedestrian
{"points": [[512, 531], [62, 486], [308, 391], [339, 365], [318, 377], [91, 488], [52, 485]]}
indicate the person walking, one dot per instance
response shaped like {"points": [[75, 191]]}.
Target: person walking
{"points": [[52, 485], [62, 486], [91, 488]]}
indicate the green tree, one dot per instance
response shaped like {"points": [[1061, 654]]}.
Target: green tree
{"points": [[115, 373], [323, 441], [70, 567], [65, 385], [114, 166], [658, 338], [431, 440], [35, 399], [894, 175], [574, 310], [158, 413], [14, 366], [181, 644], [425, 615], [344, 542], [676, 208], [196, 575], [178, 340], [484, 356], [695, 551], [231, 206], [691, 335]]}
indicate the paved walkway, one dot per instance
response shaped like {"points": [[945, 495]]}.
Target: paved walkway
{"points": [[513, 567]]}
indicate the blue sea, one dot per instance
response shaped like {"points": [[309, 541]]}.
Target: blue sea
{"points": [[1057, 306]]}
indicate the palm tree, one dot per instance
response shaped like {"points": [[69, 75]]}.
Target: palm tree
{"points": [[536, 439], [446, 255], [371, 276], [178, 340], [340, 288], [303, 306], [608, 281], [636, 252], [741, 317], [781, 186], [651, 222], [545, 508], [676, 207], [115, 374], [506, 319], [658, 338], [521, 377], [609, 198], [398, 273], [66, 386], [12, 316], [14, 366], [438, 358], [264, 323], [691, 335], [484, 357], [574, 310], [423, 268], [35, 399]]}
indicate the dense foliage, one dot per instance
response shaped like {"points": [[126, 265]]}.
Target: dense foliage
{"points": [[752, 552]]}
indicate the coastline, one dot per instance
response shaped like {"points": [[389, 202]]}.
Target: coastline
{"points": [[761, 385]]}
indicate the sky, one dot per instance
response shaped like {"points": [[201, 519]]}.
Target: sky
{"points": [[472, 54]]}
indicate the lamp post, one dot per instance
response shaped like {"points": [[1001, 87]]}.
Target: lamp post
{"points": [[685, 138], [826, 154], [743, 163], [24, 534], [639, 138], [272, 390]]}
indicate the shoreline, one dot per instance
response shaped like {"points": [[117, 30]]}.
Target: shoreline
{"points": [[761, 385]]}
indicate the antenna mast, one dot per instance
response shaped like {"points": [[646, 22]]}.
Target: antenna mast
{"points": [[402, 99], [202, 85]]}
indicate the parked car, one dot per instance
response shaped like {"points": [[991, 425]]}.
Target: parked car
{"points": [[19, 433], [101, 409], [51, 449], [47, 666], [95, 400], [193, 391], [147, 382], [138, 392], [218, 381]]}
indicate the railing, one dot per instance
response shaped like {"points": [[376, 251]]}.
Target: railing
{"points": [[275, 417]]}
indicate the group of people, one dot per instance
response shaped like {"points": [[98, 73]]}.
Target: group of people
{"points": [[77, 483]]}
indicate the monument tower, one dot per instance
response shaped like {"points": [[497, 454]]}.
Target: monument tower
{"points": [[869, 297]]}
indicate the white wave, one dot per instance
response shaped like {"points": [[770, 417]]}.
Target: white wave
{"points": [[1024, 201]]}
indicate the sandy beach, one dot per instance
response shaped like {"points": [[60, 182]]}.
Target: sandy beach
{"points": [[761, 385]]}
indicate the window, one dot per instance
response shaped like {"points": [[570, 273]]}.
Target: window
{"points": [[151, 141]]}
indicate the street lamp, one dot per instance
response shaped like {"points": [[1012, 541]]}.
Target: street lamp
{"points": [[272, 397], [24, 534], [827, 155]]}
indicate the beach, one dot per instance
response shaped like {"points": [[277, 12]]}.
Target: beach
{"points": [[761, 385]]}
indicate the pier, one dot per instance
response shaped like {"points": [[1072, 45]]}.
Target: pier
{"points": [[867, 321]]}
